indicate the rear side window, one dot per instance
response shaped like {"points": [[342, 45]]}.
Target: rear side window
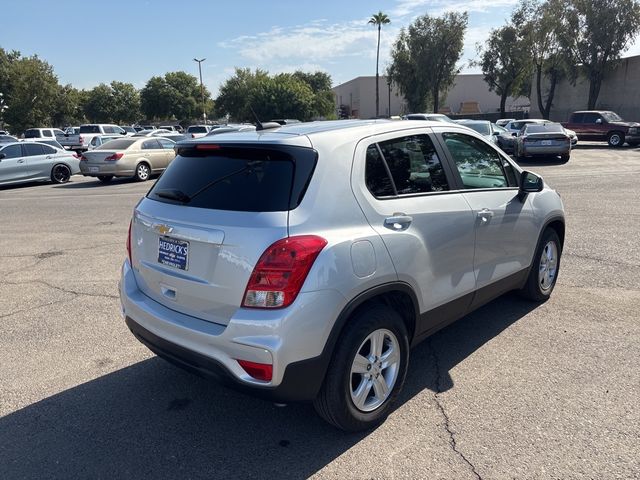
{"points": [[411, 161], [237, 178], [577, 117], [48, 150], [47, 133], [31, 149], [151, 145], [90, 129]]}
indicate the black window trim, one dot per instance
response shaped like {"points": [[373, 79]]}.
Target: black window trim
{"points": [[451, 180]]}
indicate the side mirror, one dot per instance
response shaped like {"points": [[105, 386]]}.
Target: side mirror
{"points": [[530, 183], [123, 133], [599, 121], [514, 134]]}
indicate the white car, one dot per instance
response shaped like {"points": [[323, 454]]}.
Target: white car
{"points": [[22, 162]]}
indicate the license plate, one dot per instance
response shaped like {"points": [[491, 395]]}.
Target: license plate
{"points": [[94, 169], [174, 253], [546, 142]]}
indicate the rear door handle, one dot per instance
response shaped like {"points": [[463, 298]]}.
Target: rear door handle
{"points": [[20, 161], [398, 221], [485, 215]]}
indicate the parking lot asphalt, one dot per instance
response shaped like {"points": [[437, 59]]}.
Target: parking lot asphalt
{"points": [[514, 390]]}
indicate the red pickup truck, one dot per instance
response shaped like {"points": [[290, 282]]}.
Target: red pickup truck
{"points": [[598, 125]]}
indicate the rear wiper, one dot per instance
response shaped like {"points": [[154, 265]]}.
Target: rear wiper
{"points": [[174, 195], [248, 168]]}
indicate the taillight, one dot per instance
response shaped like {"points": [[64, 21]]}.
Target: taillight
{"points": [[280, 272], [129, 244], [114, 157], [81, 140], [259, 371], [193, 135], [83, 158]]}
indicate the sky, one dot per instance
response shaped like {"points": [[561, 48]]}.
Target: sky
{"points": [[89, 42]]}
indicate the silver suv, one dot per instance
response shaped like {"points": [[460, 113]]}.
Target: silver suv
{"points": [[303, 262]]}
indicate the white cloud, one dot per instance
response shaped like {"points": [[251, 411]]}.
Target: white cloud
{"points": [[438, 7]]}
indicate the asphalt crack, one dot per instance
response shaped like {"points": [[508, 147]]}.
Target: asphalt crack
{"points": [[447, 422], [64, 290]]}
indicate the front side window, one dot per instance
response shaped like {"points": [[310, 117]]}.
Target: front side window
{"points": [[479, 165], [411, 161], [47, 133]]}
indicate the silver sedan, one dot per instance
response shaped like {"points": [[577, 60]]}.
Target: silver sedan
{"points": [[22, 162]]}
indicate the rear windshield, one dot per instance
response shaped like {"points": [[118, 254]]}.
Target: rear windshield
{"points": [[197, 130], [90, 129], [120, 144], [237, 178], [32, 133], [545, 128]]}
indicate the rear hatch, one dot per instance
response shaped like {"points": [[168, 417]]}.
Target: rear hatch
{"points": [[201, 229]]}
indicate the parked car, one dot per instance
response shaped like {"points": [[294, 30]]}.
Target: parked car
{"points": [[172, 128], [516, 126], [82, 140], [599, 125], [138, 158], [301, 263], [7, 139], [4, 132], [483, 127], [197, 131], [436, 117], [99, 140], [232, 128], [22, 162], [54, 133], [70, 140], [152, 133], [130, 131], [543, 140], [505, 139]]}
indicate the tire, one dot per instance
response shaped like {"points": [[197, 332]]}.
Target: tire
{"points": [[60, 173], [143, 172], [543, 274], [615, 139], [337, 401], [105, 178], [565, 158]]}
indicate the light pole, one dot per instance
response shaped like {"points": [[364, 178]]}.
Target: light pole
{"points": [[204, 113]]}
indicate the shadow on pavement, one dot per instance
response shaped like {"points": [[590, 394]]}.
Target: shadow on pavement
{"points": [[152, 420], [94, 184]]}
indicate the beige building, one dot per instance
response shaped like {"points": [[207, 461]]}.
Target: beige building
{"points": [[620, 92], [359, 96]]}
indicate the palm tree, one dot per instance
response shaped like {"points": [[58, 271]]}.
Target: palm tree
{"points": [[378, 19]]}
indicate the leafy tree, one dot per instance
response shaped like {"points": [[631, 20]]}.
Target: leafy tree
{"points": [[424, 58], [31, 88], [98, 107], [378, 19], [176, 95], [598, 31], [320, 84], [125, 103], [506, 61], [68, 106]]}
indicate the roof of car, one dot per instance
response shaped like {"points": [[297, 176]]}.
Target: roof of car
{"points": [[296, 133]]}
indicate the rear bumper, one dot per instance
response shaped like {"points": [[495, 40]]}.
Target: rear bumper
{"points": [[291, 339], [546, 150], [105, 169]]}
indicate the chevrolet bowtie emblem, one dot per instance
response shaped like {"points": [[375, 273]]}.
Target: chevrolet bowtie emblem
{"points": [[163, 229]]}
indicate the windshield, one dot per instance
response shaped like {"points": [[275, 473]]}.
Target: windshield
{"points": [[612, 117]]}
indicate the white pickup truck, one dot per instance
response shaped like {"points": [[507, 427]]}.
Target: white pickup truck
{"points": [[81, 141]]}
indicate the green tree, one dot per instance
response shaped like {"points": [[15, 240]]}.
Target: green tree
{"points": [[31, 88], [506, 61], [68, 106], [98, 107], [174, 96], [157, 99], [125, 103], [424, 58], [320, 84], [378, 19], [599, 31]]}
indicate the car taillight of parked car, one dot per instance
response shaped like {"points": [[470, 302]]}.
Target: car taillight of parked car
{"points": [[81, 140], [280, 272], [129, 244], [114, 157]]}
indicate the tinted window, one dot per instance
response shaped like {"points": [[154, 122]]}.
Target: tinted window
{"points": [[577, 117], [167, 144], [481, 128], [121, 144], [376, 175], [544, 128], [32, 133], [89, 129], [31, 149], [12, 151], [414, 165], [48, 150], [480, 166], [151, 145], [590, 117], [95, 141], [250, 179], [47, 133], [108, 129], [197, 130]]}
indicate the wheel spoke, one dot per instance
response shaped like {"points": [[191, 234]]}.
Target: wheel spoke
{"points": [[360, 364], [390, 358], [377, 343], [380, 387], [361, 393]]}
